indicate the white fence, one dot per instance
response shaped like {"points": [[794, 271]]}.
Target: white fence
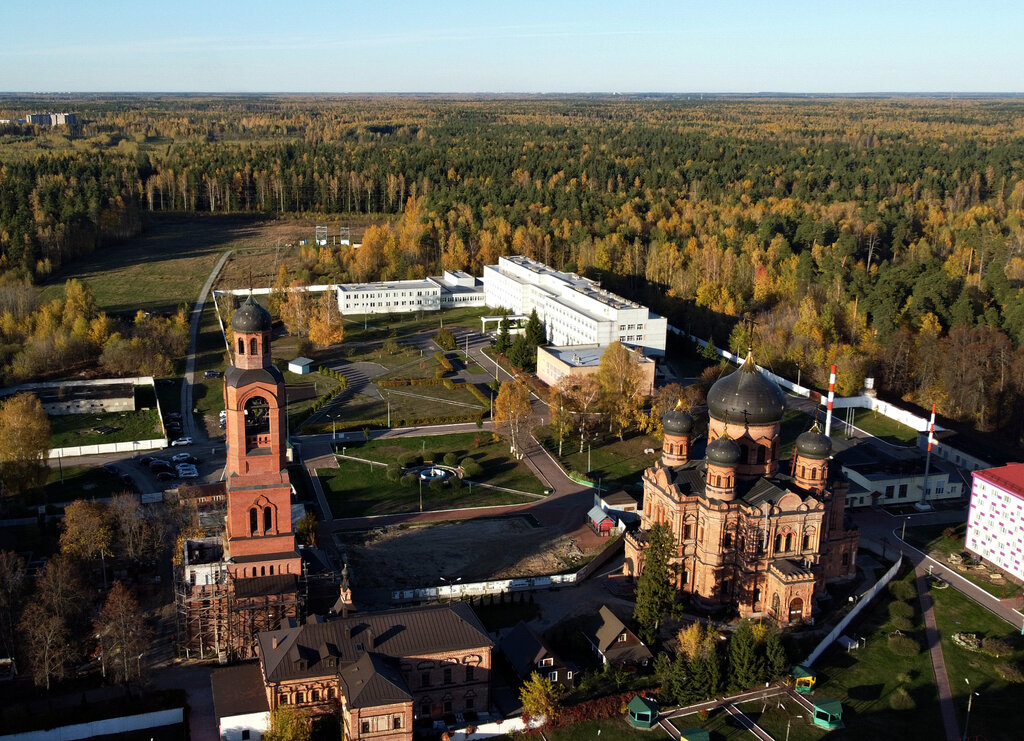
{"points": [[130, 446], [865, 599], [107, 727], [477, 589], [489, 730]]}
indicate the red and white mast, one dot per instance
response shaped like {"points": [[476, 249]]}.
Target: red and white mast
{"points": [[831, 398], [928, 460]]}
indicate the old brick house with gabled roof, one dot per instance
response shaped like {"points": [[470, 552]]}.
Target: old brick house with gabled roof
{"points": [[386, 669]]}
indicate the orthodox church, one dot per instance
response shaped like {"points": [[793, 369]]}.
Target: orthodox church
{"points": [[750, 531]]}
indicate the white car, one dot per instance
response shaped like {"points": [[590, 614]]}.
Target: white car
{"points": [[189, 474], [182, 457], [182, 441]]}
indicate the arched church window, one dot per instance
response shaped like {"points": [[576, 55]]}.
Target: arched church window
{"points": [[254, 346], [778, 543], [775, 602], [241, 346], [263, 570], [760, 454], [253, 517], [268, 519], [789, 542], [757, 595], [814, 474], [806, 542], [727, 540]]}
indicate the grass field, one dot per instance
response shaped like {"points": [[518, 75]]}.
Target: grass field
{"points": [[358, 490], [865, 680], [79, 482], [884, 428], [954, 612], [616, 463], [79, 429], [498, 468], [382, 326], [932, 539]]}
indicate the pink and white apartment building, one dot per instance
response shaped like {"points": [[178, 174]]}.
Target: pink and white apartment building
{"points": [[995, 524]]}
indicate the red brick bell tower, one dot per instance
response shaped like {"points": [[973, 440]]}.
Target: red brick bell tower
{"points": [[259, 538]]}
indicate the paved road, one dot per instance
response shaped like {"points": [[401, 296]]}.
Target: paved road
{"points": [[188, 423]]}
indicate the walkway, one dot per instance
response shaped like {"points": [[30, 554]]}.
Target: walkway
{"points": [[189, 427], [931, 633], [729, 704]]}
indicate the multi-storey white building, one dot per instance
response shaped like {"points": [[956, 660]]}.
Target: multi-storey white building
{"points": [[995, 524], [575, 310], [453, 289]]}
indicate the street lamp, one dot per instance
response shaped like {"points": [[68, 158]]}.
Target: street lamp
{"points": [[451, 585], [970, 698], [788, 721]]}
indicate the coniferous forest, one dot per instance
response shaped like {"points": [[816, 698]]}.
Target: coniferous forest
{"points": [[885, 235]]}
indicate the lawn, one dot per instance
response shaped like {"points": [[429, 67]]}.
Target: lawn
{"points": [[615, 463], [359, 490], [776, 720], [498, 468], [157, 271], [864, 680], [416, 367], [79, 482], [80, 429], [208, 393], [884, 428], [613, 729], [953, 613], [932, 539], [382, 326]]}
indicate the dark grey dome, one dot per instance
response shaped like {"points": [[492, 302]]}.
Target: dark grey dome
{"points": [[251, 317], [746, 397], [814, 444], [723, 452], [677, 422]]}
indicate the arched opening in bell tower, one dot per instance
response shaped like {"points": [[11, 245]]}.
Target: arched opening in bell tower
{"points": [[257, 423]]}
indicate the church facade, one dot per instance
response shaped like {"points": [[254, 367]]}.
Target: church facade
{"points": [[749, 531]]}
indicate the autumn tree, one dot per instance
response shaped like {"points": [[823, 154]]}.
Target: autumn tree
{"points": [[655, 591], [539, 696], [24, 444], [581, 395], [559, 415], [622, 386], [47, 644], [122, 633], [12, 588], [87, 532], [326, 325], [133, 529], [296, 311], [512, 414], [61, 590], [289, 723]]}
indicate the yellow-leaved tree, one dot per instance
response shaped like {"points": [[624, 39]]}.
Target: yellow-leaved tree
{"points": [[325, 321], [24, 444]]}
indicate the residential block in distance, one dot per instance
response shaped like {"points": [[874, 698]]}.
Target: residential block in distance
{"points": [[575, 310], [995, 521]]}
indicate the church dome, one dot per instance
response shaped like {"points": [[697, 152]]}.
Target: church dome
{"points": [[814, 444], [677, 422], [746, 397], [251, 317], [723, 452]]}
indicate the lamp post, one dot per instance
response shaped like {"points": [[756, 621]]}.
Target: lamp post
{"points": [[421, 493], [970, 698], [451, 585], [788, 721]]}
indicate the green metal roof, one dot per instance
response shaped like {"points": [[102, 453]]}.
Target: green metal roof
{"points": [[799, 672], [832, 707], [694, 734], [642, 705]]}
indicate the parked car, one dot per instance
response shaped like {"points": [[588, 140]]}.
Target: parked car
{"points": [[165, 476], [185, 467], [145, 460], [211, 374], [182, 441], [127, 479], [110, 468], [188, 474], [172, 416], [184, 458]]}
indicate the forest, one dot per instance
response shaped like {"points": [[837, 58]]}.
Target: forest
{"points": [[884, 235]]}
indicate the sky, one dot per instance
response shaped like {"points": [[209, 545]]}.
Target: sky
{"points": [[528, 46]]}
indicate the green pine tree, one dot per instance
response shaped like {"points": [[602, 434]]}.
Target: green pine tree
{"points": [[654, 589], [746, 666], [776, 660], [504, 342], [535, 332]]}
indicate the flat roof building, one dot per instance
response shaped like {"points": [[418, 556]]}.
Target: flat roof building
{"points": [[575, 310], [995, 521], [455, 288], [888, 475], [556, 363]]}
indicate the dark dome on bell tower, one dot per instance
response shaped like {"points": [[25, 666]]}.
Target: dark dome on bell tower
{"points": [[251, 317]]}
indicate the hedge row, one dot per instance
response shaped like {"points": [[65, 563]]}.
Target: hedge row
{"points": [[445, 363], [342, 425]]}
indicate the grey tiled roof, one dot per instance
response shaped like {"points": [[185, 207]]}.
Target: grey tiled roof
{"points": [[373, 680]]}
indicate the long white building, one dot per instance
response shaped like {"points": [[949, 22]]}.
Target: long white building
{"points": [[575, 310], [995, 523], [452, 290]]}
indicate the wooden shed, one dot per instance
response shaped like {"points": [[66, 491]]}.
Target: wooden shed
{"points": [[600, 521]]}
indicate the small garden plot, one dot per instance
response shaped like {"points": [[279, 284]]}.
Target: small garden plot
{"points": [[357, 490], [497, 467], [68, 430]]}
